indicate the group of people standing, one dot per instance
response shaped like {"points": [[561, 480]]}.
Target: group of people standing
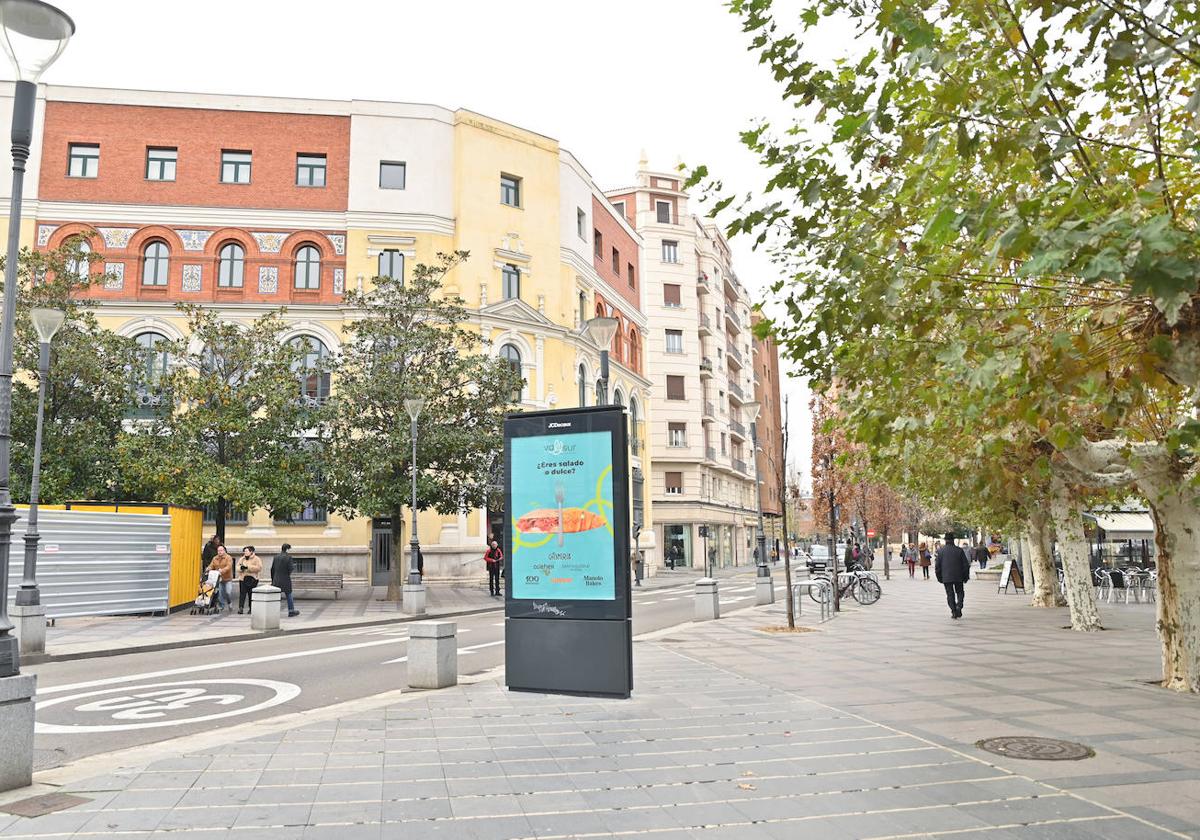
{"points": [[914, 555], [247, 572]]}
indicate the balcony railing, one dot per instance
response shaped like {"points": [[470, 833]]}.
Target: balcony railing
{"points": [[709, 410], [740, 466], [737, 428], [706, 367], [705, 323], [736, 390], [733, 353], [702, 285]]}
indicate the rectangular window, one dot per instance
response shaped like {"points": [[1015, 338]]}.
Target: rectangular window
{"points": [[160, 164], [511, 277], [235, 167], [619, 206], [598, 241], [674, 482], [310, 170], [677, 434], [616, 262], [581, 223], [670, 251], [674, 341], [663, 211], [630, 275], [391, 264], [392, 174], [510, 190], [675, 388], [83, 160], [671, 295], [722, 443]]}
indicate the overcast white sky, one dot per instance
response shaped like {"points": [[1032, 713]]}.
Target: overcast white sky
{"points": [[606, 80]]}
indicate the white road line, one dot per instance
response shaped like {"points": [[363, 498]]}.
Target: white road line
{"points": [[646, 603], [470, 649]]}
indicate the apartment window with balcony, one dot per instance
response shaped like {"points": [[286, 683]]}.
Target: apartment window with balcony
{"points": [[675, 390], [392, 174], [671, 295], [663, 211], [616, 262], [581, 223], [630, 275], [83, 160], [160, 164], [670, 251], [598, 242], [674, 483], [677, 434], [510, 276], [674, 341], [510, 190], [235, 167], [310, 170]]}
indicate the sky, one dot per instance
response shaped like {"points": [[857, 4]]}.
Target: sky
{"points": [[608, 80]]}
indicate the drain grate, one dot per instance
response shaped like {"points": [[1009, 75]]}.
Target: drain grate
{"points": [[1036, 749], [39, 806]]}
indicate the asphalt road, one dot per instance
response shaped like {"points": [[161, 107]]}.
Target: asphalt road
{"points": [[95, 706]]}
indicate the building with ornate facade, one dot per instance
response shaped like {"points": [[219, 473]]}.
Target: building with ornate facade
{"points": [[253, 204]]}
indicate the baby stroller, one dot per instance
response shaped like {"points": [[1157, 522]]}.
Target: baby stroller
{"points": [[206, 599]]}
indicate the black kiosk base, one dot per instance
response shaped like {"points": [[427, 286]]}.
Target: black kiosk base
{"points": [[569, 656]]}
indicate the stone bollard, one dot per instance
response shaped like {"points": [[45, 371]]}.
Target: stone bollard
{"points": [[412, 597], [708, 604], [264, 608], [764, 590], [30, 629], [16, 722], [432, 654]]}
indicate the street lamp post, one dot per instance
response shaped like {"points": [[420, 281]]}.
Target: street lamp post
{"points": [[833, 518], [34, 34], [764, 587], [29, 612], [414, 590], [602, 331]]}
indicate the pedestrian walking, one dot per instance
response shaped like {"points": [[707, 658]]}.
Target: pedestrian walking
{"points": [[208, 553], [282, 566], [908, 556], [673, 556], [249, 571], [982, 555], [926, 560], [223, 563], [494, 559], [953, 569]]}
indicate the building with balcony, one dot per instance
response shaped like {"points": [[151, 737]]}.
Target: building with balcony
{"points": [[254, 204], [772, 459], [698, 359]]}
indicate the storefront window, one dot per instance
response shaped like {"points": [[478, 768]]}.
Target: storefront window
{"points": [[678, 539]]}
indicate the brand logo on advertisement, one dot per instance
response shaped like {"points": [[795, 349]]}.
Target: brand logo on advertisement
{"points": [[532, 578], [558, 425], [560, 448]]}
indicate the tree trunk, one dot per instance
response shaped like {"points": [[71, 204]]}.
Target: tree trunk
{"points": [[887, 567], [395, 585], [1041, 562], [1077, 572], [1177, 540], [220, 518]]}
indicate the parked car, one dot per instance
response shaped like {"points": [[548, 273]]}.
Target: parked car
{"points": [[817, 559]]}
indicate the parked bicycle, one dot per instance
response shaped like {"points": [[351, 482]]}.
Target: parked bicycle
{"points": [[856, 582]]}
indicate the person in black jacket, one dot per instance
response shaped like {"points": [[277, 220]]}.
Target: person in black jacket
{"points": [[953, 569], [281, 576], [982, 555]]}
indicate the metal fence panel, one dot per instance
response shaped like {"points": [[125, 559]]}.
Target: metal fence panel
{"points": [[92, 563]]}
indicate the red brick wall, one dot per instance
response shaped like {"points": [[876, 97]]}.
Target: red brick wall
{"points": [[124, 132], [630, 200], [615, 236]]}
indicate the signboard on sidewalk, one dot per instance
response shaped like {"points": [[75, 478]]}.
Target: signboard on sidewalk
{"points": [[567, 548]]}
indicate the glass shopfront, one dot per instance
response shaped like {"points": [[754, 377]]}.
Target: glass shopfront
{"points": [[677, 546]]}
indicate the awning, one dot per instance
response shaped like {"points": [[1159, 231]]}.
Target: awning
{"points": [[1123, 525]]}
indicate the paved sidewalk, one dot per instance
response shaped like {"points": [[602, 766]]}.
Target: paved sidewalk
{"points": [[863, 728], [109, 635]]}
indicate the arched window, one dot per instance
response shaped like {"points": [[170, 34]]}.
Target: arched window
{"points": [[583, 386], [81, 267], [391, 264], [147, 379], [618, 397], [513, 356], [635, 350], [155, 261], [635, 434], [231, 268], [308, 268], [311, 369]]}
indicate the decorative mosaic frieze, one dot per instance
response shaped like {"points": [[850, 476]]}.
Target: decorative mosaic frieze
{"points": [[269, 243], [193, 278], [116, 237], [339, 281], [114, 276], [44, 233], [268, 279], [194, 240], [339, 243]]}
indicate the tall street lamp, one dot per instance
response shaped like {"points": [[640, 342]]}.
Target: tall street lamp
{"points": [[414, 589], [30, 614], [764, 592], [34, 34], [602, 331]]}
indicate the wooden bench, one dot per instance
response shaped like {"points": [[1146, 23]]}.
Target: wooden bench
{"points": [[309, 581]]}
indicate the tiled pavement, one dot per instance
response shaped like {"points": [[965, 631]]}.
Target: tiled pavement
{"points": [[864, 728]]}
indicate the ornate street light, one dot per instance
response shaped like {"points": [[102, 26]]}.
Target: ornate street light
{"points": [[34, 34], [766, 589], [414, 590], [602, 330]]}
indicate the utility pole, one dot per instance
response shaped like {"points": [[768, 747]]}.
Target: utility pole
{"points": [[783, 495], [837, 598]]}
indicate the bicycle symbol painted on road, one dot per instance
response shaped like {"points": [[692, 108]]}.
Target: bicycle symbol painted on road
{"points": [[160, 704]]}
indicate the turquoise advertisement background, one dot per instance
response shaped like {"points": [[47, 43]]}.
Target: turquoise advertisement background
{"points": [[582, 567]]}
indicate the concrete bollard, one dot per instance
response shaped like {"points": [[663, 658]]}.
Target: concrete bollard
{"points": [[708, 603], [432, 654], [16, 722], [264, 608], [764, 591], [30, 629], [412, 597]]}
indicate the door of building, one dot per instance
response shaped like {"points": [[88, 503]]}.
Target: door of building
{"points": [[381, 551]]}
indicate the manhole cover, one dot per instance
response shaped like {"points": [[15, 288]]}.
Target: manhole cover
{"points": [[38, 806], [1036, 749]]}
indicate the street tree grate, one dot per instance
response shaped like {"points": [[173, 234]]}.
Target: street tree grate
{"points": [[1036, 749], [39, 806]]}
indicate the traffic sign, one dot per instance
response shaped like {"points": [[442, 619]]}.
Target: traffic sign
{"points": [[870, 532]]}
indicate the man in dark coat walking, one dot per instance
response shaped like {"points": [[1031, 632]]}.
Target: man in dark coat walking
{"points": [[953, 569], [281, 576], [982, 555]]}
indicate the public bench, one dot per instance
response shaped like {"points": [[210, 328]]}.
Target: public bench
{"points": [[308, 581]]}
